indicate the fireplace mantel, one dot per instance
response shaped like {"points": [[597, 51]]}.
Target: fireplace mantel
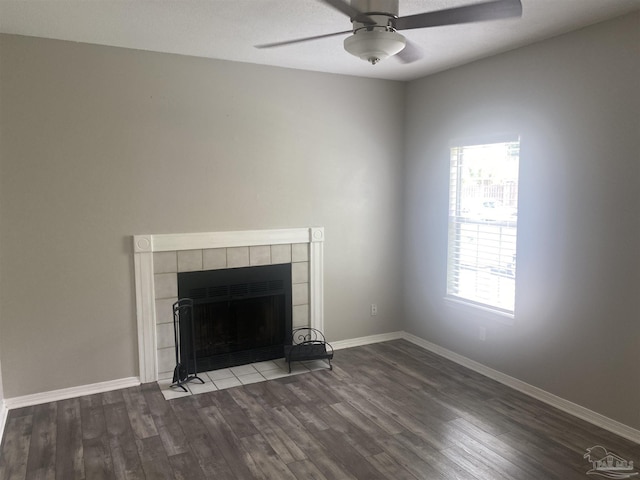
{"points": [[144, 246]]}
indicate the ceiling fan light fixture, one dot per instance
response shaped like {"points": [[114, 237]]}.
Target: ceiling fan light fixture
{"points": [[374, 45]]}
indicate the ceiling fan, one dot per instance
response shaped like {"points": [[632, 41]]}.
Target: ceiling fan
{"points": [[375, 25]]}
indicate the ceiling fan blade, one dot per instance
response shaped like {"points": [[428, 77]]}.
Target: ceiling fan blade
{"points": [[300, 40], [348, 10], [477, 12], [410, 53]]}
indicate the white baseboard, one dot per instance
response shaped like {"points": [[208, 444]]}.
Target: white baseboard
{"points": [[560, 403], [64, 393], [358, 342]]}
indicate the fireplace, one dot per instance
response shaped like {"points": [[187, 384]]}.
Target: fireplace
{"points": [[160, 258], [240, 316]]}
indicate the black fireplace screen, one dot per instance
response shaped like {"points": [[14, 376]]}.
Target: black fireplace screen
{"points": [[240, 315]]}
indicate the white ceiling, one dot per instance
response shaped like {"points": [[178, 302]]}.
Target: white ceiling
{"points": [[229, 29]]}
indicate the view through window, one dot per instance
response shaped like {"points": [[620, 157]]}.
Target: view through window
{"points": [[483, 222]]}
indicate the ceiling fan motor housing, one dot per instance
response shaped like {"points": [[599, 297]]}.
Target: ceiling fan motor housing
{"points": [[374, 41], [389, 7]]}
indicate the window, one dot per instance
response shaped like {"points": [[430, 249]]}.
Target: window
{"points": [[483, 222]]}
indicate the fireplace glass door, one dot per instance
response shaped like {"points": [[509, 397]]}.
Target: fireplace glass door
{"points": [[240, 316]]}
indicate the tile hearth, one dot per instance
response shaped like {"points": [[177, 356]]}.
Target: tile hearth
{"points": [[241, 375]]}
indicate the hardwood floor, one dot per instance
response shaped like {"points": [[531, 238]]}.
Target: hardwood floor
{"points": [[387, 411]]}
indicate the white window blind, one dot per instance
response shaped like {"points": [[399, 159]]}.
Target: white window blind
{"points": [[483, 223]]}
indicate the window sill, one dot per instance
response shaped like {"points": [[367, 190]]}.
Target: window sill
{"points": [[482, 311]]}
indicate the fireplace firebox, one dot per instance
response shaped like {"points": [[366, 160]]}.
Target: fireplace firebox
{"points": [[240, 316]]}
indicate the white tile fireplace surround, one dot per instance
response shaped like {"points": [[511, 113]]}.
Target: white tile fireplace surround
{"points": [[159, 258]]}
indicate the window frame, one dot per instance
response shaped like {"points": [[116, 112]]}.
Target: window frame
{"points": [[489, 310]]}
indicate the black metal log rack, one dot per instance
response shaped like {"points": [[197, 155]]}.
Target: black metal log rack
{"points": [[308, 344]]}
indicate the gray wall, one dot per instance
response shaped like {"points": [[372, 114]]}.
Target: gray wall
{"points": [[98, 144], [102, 143], [575, 101]]}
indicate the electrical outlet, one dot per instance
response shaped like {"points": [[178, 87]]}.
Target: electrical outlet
{"points": [[374, 309]]}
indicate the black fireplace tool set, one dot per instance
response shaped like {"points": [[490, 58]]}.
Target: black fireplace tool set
{"points": [[183, 311]]}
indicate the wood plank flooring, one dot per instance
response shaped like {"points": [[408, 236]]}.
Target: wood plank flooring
{"points": [[387, 411]]}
